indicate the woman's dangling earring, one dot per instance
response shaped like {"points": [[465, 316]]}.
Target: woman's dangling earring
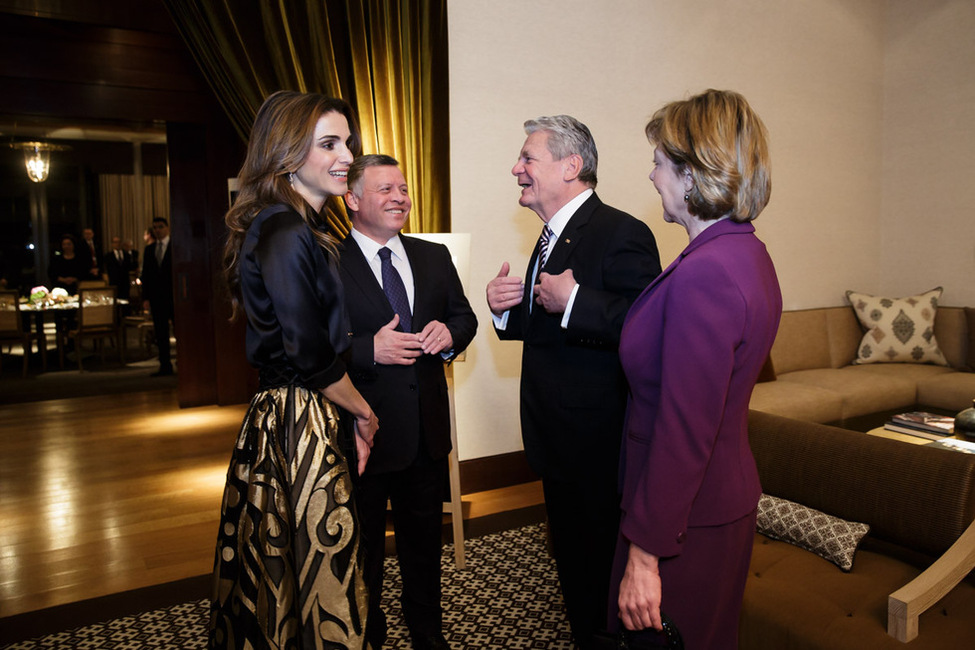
{"points": [[291, 179]]}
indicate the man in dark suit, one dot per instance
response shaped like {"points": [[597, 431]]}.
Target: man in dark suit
{"points": [[88, 251], [117, 267], [589, 265], [131, 254], [157, 290], [408, 316]]}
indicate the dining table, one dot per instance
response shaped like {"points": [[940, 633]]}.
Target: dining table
{"points": [[61, 309]]}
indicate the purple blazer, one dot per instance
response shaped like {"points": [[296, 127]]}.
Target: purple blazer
{"points": [[692, 347]]}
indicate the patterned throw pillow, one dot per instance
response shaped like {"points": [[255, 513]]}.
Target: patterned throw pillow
{"points": [[898, 329], [829, 537]]}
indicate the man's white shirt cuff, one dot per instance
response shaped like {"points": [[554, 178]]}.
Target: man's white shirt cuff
{"points": [[568, 306]]}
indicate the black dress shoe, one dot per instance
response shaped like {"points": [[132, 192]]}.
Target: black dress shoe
{"points": [[162, 372], [429, 642]]}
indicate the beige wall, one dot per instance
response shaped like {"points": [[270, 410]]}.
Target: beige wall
{"points": [[819, 73], [927, 229]]}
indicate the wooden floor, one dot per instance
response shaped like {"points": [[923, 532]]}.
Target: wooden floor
{"points": [[102, 495]]}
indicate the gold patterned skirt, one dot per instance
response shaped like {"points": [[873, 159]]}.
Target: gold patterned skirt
{"points": [[288, 571]]}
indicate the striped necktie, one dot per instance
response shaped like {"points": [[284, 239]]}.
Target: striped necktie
{"points": [[543, 243]]}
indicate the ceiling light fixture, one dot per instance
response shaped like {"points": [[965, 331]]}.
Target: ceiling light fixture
{"points": [[37, 158]]}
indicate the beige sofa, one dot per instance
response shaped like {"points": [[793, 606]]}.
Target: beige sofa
{"points": [[908, 574], [814, 378]]}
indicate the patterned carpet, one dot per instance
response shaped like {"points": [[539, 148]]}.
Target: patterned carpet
{"points": [[507, 597]]}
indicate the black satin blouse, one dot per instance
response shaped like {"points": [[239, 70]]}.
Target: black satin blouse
{"points": [[294, 300]]}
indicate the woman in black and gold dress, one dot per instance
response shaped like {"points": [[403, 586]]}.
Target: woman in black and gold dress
{"points": [[287, 568]]}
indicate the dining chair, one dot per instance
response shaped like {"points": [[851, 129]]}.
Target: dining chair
{"points": [[140, 320], [98, 320], [12, 329], [142, 324]]}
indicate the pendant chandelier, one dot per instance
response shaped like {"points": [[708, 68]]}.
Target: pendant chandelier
{"points": [[37, 158]]}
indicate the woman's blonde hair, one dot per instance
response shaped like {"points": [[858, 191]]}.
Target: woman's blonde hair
{"points": [[722, 143], [279, 144]]}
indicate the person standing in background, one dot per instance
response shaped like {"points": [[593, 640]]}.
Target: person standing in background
{"points": [[117, 267], [157, 291], [131, 254], [89, 252]]}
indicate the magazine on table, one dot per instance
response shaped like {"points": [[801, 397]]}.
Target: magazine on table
{"points": [[890, 426], [921, 422], [963, 446]]}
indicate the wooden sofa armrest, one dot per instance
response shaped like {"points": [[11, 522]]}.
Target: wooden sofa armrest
{"points": [[905, 605]]}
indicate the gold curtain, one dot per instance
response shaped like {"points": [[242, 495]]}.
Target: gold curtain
{"points": [[388, 58]]}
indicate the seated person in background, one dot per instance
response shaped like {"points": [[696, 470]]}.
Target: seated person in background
{"points": [[67, 267], [66, 270]]}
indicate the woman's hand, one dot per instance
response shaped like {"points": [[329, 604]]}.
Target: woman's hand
{"points": [[344, 394], [362, 449], [640, 591], [366, 427]]}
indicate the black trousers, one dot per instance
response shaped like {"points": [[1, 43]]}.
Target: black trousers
{"points": [[160, 325], [416, 495], [583, 523]]}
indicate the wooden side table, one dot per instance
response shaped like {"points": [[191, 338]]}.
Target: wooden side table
{"points": [[897, 435]]}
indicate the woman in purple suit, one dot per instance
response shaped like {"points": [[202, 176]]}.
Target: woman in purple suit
{"points": [[692, 347]]}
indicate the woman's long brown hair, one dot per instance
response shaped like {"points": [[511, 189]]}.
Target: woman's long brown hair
{"points": [[280, 141]]}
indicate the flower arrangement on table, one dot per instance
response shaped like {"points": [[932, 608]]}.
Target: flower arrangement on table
{"points": [[40, 295]]}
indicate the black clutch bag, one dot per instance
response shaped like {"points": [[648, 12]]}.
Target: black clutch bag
{"points": [[642, 639]]}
